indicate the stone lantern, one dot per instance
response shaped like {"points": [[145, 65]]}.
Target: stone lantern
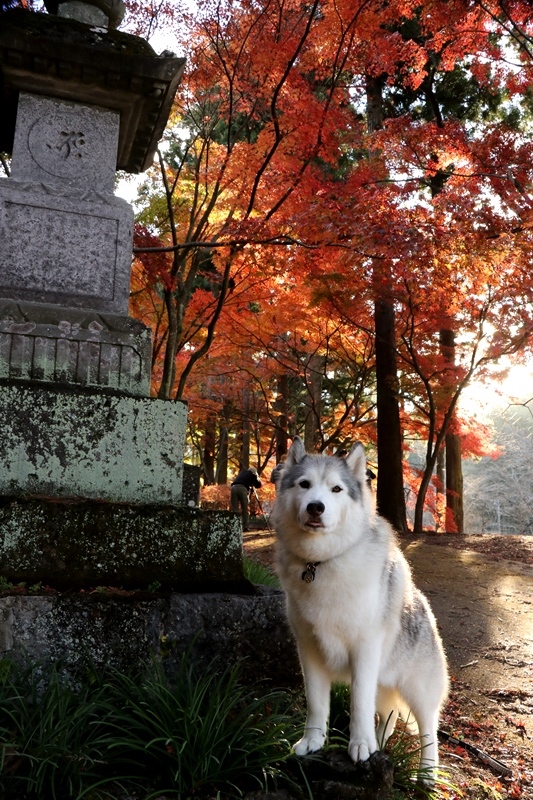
{"points": [[91, 466]]}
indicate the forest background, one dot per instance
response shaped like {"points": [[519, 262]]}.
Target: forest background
{"points": [[336, 237]]}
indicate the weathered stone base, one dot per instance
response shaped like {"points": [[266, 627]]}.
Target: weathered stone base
{"points": [[69, 443], [123, 632], [84, 545]]}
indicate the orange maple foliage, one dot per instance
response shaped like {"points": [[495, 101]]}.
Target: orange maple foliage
{"points": [[279, 203]]}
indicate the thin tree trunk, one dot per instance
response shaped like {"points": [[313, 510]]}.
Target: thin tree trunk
{"points": [[454, 467], [440, 502], [222, 458], [282, 422], [313, 402], [245, 433], [209, 452], [169, 364], [418, 523]]}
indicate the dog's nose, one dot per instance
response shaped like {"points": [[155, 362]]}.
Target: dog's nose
{"points": [[315, 509]]}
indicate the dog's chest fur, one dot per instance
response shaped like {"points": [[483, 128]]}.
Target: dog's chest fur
{"points": [[338, 608]]}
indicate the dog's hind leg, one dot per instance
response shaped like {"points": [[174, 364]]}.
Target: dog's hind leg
{"points": [[425, 696], [429, 750], [387, 706], [317, 691]]}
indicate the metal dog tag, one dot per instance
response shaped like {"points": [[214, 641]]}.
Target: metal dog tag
{"points": [[308, 575]]}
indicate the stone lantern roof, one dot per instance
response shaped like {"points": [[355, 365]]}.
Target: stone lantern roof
{"points": [[60, 57]]}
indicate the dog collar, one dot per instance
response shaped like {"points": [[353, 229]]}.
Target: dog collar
{"points": [[308, 575]]}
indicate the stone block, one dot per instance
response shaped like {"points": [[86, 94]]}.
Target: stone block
{"points": [[68, 247], [88, 14], [65, 144], [125, 632], [63, 443], [70, 346], [86, 544]]}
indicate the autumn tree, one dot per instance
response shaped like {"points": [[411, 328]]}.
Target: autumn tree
{"points": [[431, 142], [247, 129]]}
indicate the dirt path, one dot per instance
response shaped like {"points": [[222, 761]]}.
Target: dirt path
{"points": [[484, 608]]}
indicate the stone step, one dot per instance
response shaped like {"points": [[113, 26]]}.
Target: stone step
{"points": [[83, 545], [80, 631]]}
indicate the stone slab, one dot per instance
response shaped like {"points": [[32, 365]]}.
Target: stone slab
{"points": [[73, 347], [86, 544], [68, 144], [62, 443], [126, 632], [65, 246]]}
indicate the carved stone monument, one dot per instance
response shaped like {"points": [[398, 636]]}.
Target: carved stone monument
{"points": [[77, 425]]}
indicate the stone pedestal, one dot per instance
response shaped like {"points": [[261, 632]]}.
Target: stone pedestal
{"points": [[74, 347]]}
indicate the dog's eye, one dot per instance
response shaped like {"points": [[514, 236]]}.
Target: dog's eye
{"points": [[337, 489], [305, 484]]}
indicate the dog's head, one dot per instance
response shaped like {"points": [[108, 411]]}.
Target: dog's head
{"points": [[322, 494]]}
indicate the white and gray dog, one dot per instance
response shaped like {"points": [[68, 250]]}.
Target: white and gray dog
{"points": [[356, 615]]}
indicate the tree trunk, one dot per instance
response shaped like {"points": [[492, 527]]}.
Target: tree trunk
{"points": [[418, 523], [223, 441], [222, 459], [209, 452], [390, 496], [169, 366], [440, 490], [314, 379], [454, 484], [245, 433]]}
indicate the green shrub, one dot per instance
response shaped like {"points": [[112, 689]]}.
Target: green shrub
{"points": [[204, 730], [50, 740], [200, 731]]}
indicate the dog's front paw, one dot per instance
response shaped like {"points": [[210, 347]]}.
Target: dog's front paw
{"points": [[361, 748], [310, 743]]}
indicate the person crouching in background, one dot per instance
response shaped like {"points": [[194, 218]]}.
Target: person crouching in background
{"points": [[241, 489]]}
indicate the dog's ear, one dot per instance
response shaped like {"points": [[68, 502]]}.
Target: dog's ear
{"points": [[356, 460], [296, 452]]}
